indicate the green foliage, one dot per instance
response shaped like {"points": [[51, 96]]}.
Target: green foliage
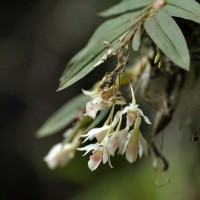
{"points": [[63, 117], [125, 6], [162, 29], [114, 38], [184, 9], [168, 37], [95, 50], [136, 39]]}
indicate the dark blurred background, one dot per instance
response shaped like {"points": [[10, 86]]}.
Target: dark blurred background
{"points": [[37, 39]]}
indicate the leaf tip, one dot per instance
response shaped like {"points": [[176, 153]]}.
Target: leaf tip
{"points": [[61, 87], [39, 134], [101, 14], [187, 68]]}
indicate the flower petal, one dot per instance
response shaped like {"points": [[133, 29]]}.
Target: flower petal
{"points": [[95, 132], [132, 148], [89, 148], [140, 150], [146, 119], [91, 109], [130, 118], [123, 136], [52, 157], [144, 144], [105, 156], [113, 143], [90, 93], [94, 161], [93, 106], [60, 155]]}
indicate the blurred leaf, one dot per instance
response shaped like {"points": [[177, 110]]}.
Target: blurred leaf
{"points": [[136, 39], [184, 9], [63, 116], [84, 62], [125, 6], [77, 126], [166, 34]]}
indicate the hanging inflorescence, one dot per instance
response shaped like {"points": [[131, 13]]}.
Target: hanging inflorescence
{"points": [[121, 130]]}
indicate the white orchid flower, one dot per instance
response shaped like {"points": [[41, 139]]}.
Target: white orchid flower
{"points": [[99, 154], [60, 155], [117, 140], [98, 133], [131, 146], [122, 140], [96, 104], [89, 148], [97, 157], [135, 144], [132, 112]]}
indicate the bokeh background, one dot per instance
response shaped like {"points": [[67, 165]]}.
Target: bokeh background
{"points": [[37, 39]]}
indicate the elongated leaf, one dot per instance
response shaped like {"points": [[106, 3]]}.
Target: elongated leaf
{"points": [[125, 6], [164, 31], [99, 35], [63, 116], [184, 9], [75, 76], [71, 132], [95, 50], [136, 39]]}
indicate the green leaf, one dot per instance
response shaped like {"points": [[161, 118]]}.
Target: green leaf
{"points": [[125, 6], [184, 9], [110, 31], [72, 76], [166, 34], [63, 116], [136, 39]]}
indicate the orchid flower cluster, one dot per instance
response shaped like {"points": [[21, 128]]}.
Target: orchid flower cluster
{"points": [[61, 153], [112, 136]]}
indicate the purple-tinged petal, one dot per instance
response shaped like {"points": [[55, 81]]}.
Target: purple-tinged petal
{"points": [[95, 160], [113, 143]]}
